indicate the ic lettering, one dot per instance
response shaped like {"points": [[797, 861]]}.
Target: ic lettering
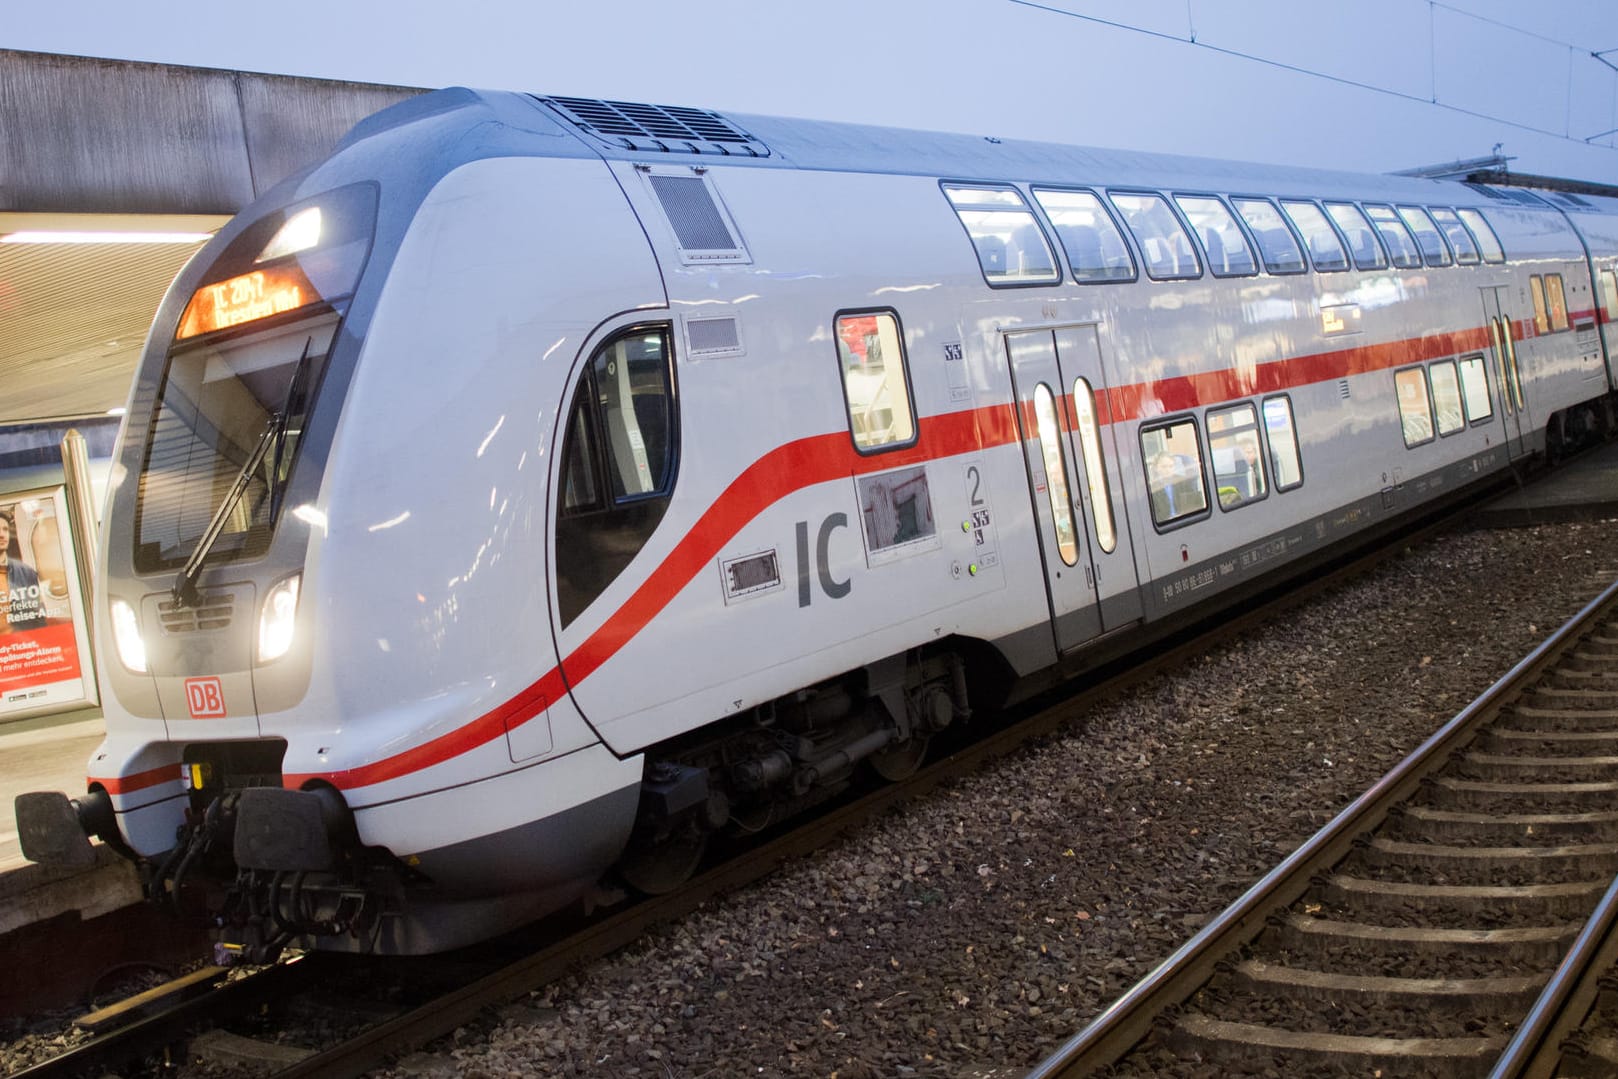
{"points": [[834, 589]]}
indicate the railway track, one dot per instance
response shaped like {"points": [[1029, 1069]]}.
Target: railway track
{"points": [[1438, 925], [480, 987]]}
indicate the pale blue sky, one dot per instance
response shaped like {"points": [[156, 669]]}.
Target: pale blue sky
{"points": [[1012, 68]]}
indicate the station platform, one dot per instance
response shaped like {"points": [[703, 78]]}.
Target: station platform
{"points": [[1583, 489], [45, 754], [41, 755]]}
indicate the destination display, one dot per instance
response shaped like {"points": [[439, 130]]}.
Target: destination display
{"points": [[245, 298]]}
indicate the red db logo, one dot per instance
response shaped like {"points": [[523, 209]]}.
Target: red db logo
{"points": [[205, 697]]}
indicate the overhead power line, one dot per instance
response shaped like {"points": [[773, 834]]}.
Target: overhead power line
{"points": [[1281, 65]]}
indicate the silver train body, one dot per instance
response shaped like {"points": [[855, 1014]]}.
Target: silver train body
{"points": [[538, 486]]}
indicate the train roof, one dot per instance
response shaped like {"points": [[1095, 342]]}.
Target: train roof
{"points": [[641, 132]]}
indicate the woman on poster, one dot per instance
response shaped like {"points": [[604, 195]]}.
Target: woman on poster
{"points": [[19, 582]]}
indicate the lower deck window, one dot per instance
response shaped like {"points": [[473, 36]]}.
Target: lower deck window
{"points": [[1173, 456], [1238, 459], [1282, 432], [1447, 397], [1475, 389], [1415, 405]]}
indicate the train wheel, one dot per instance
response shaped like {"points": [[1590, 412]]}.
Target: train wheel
{"points": [[900, 761], [659, 868]]}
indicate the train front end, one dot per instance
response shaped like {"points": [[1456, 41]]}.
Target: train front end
{"points": [[334, 707]]}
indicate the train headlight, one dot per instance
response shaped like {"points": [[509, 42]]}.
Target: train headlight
{"points": [[126, 635], [278, 619]]}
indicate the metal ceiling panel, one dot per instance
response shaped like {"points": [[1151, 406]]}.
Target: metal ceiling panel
{"points": [[72, 321]]}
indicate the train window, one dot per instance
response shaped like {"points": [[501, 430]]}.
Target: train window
{"points": [[1095, 248], [1275, 241], [1056, 486], [1460, 240], [1542, 319], [1095, 472], [1475, 389], [1158, 234], [1433, 251], [1173, 456], [1488, 243], [1238, 458], [1401, 245], [1285, 460], [625, 408], [1011, 247], [228, 426], [1222, 239], [1609, 296], [1446, 397], [1325, 249], [1361, 237], [618, 464], [876, 384], [1556, 300], [1415, 405]]}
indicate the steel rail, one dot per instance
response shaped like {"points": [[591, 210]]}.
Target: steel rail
{"points": [[108, 1053], [1561, 1007], [1122, 1025]]}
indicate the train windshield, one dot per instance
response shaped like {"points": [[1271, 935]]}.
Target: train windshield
{"points": [[230, 413]]}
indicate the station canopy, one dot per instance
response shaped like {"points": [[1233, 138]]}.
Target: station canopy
{"points": [[112, 175]]}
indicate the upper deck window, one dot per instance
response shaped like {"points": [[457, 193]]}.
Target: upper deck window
{"points": [[1466, 251], [1275, 241], [1542, 319], [1401, 245], [1095, 248], [1324, 247], [1161, 238], [1361, 237], [1222, 239], [1483, 233], [1433, 251], [1011, 247]]}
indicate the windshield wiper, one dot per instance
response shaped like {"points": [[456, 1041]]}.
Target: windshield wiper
{"points": [[185, 585]]}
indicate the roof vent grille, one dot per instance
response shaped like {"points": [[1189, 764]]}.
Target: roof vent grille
{"points": [[668, 129]]}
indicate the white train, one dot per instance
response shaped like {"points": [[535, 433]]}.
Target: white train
{"points": [[539, 486]]}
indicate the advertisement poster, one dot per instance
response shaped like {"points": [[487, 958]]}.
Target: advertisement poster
{"points": [[45, 662]]}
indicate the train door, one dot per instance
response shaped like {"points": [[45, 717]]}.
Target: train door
{"points": [[1507, 372], [1062, 480], [1100, 483], [1607, 300]]}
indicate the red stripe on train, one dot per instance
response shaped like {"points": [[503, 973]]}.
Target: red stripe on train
{"points": [[137, 781], [823, 458]]}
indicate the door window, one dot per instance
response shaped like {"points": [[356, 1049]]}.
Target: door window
{"points": [[1095, 471], [1056, 486]]}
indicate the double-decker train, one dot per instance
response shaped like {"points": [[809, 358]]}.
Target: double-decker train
{"points": [[539, 486]]}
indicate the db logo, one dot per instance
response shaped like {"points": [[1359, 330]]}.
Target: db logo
{"points": [[205, 697]]}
